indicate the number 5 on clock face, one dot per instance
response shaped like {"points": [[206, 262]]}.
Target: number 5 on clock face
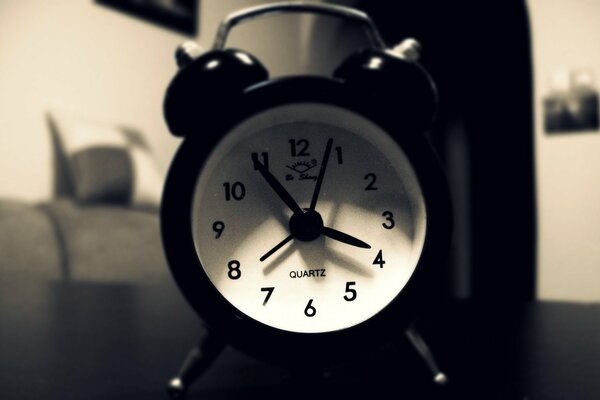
{"points": [[368, 191]]}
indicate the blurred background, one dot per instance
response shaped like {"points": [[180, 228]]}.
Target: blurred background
{"points": [[84, 148]]}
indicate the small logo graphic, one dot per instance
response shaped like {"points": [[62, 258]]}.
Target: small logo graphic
{"points": [[301, 169]]}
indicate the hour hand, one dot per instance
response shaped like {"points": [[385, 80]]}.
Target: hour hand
{"points": [[276, 186], [344, 238], [277, 247]]}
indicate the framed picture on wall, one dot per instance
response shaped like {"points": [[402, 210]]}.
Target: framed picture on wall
{"points": [[571, 104], [178, 15]]}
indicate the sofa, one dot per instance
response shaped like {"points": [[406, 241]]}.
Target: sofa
{"points": [[101, 224], [63, 240]]}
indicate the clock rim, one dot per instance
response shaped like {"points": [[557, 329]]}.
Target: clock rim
{"points": [[257, 338]]}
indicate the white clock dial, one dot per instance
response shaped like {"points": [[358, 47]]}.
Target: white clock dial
{"points": [[369, 191]]}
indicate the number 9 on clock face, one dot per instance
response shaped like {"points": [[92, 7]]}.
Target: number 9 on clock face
{"points": [[316, 283]]}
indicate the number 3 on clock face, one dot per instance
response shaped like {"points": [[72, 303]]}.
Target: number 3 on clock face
{"points": [[369, 191]]}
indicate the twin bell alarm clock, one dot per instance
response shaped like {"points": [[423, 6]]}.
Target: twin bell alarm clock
{"points": [[304, 218]]}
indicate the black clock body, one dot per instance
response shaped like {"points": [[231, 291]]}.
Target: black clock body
{"points": [[398, 96]]}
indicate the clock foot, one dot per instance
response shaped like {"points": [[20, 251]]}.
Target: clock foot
{"points": [[199, 358], [417, 341]]}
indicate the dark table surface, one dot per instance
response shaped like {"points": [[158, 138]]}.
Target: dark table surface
{"points": [[95, 341]]}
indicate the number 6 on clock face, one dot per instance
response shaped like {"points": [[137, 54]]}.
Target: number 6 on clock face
{"points": [[308, 283]]}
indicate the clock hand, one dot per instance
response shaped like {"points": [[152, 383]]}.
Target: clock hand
{"points": [[276, 186], [344, 238], [315, 196], [277, 247]]}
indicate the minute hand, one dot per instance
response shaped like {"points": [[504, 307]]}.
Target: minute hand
{"points": [[276, 186], [315, 196], [344, 238]]}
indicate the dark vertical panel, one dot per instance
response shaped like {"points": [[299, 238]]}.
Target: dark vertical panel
{"points": [[500, 127], [479, 54]]}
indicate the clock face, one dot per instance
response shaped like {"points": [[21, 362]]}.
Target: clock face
{"points": [[322, 270]]}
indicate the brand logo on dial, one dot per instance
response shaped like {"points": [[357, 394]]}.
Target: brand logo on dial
{"points": [[301, 169], [309, 273]]}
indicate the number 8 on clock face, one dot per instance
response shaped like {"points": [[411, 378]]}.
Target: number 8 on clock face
{"points": [[308, 218]]}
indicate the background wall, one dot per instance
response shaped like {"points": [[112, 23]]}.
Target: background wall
{"points": [[89, 60], [79, 57], [566, 35]]}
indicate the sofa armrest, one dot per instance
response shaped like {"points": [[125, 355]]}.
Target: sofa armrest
{"points": [[111, 244], [28, 242]]}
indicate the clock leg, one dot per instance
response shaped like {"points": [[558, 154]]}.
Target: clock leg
{"points": [[199, 358], [417, 341]]}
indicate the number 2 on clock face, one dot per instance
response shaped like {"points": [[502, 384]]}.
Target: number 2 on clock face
{"points": [[368, 191]]}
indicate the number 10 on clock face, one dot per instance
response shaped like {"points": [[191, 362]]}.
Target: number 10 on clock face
{"points": [[308, 218]]}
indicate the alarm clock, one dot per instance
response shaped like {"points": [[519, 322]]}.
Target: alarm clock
{"points": [[304, 218]]}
